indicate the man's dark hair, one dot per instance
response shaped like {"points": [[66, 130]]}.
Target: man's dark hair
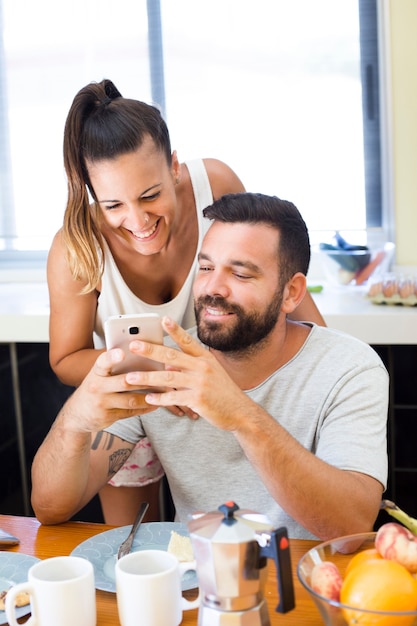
{"points": [[257, 208]]}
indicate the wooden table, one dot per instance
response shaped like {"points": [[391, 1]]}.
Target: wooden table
{"points": [[47, 541]]}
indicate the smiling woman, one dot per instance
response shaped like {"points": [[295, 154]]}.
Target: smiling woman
{"points": [[139, 213], [133, 249]]}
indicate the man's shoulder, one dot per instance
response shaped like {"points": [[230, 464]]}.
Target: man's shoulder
{"points": [[338, 342]]}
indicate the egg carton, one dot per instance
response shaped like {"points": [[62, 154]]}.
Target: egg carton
{"points": [[393, 289]]}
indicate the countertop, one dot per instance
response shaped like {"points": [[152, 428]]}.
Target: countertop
{"points": [[24, 314], [348, 309]]}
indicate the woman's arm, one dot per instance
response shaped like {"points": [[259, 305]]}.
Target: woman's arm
{"points": [[307, 311], [222, 178], [71, 322]]}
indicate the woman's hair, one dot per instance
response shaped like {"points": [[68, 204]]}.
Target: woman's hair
{"points": [[256, 208], [100, 125]]}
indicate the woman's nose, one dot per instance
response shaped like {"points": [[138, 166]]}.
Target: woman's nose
{"points": [[138, 218]]}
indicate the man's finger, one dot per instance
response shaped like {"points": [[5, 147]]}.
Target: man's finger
{"points": [[188, 344], [107, 360]]}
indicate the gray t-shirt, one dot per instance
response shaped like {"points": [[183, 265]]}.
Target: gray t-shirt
{"points": [[332, 397]]}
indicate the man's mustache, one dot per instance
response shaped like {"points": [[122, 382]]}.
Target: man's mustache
{"points": [[217, 301]]}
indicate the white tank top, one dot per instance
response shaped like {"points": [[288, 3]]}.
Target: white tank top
{"points": [[117, 299]]}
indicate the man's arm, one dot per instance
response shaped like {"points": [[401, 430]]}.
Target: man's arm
{"points": [[70, 468], [76, 458], [326, 500]]}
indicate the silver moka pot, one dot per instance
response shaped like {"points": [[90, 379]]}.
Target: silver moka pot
{"points": [[231, 547]]}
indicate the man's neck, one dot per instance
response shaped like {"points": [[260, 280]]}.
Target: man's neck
{"points": [[251, 367]]}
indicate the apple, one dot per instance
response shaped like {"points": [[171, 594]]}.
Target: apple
{"points": [[326, 580], [394, 541]]}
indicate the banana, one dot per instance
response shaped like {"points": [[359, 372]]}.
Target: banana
{"points": [[400, 515]]}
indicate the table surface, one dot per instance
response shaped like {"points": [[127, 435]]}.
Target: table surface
{"points": [[47, 541]]}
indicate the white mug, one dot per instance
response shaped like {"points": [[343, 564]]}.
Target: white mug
{"points": [[62, 593], [148, 587]]}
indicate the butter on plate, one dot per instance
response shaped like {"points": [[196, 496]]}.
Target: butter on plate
{"points": [[22, 599], [180, 547]]}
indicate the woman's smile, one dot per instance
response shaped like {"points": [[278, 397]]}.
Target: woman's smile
{"points": [[145, 234]]}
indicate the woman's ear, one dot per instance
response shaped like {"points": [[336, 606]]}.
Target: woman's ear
{"points": [[175, 168], [294, 292]]}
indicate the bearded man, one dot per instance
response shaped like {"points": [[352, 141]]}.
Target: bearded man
{"points": [[291, 416]]}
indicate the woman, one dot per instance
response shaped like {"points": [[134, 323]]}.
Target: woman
{"points": [[131, 249]]}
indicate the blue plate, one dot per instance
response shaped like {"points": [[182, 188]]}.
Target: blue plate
{"points": [[14, 568], [101, 550]]}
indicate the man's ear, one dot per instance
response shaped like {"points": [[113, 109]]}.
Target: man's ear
{"points": [[294, 292]]}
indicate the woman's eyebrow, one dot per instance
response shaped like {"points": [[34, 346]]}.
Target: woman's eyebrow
{"points": [[151, 188], [143, 192]]}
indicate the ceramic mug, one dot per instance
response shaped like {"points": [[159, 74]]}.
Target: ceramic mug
{"points": [[62, 592], [148, 587]]}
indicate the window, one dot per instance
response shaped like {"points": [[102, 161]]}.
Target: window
{"points": [[275, 89]]}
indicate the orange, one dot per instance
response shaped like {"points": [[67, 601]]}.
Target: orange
{"points": [[361, 557], [379, 585]]}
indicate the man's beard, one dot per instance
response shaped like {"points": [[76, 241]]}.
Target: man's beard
{"points": [[247, 334]]}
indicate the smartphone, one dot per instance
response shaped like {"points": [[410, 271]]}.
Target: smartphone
{"points": [[120, 330]]}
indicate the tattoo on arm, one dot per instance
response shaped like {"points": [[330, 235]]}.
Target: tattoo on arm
{"points": [[118, 459], [102, 440]]}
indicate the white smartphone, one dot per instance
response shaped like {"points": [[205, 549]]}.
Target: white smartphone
{"points": [[120, 330]]}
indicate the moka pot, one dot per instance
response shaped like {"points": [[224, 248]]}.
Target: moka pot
{"points": [[231, 547]]}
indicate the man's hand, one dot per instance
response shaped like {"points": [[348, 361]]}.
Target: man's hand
{"points": [[193, 378], [103, 398]]}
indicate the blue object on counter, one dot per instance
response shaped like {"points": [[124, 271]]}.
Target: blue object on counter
{"points": [[350, 257]]}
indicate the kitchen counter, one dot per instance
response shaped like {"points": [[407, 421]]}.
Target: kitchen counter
{"points": [[24, 315], [24, 312], [348, 309]]}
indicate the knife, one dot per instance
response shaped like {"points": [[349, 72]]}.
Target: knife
{"points": [[126, 546], [6, 539]]}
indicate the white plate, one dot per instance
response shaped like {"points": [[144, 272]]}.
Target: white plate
{"points": [[14, 569], [101, 550]]}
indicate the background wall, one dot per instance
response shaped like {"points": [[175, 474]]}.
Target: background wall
{"points": [[403, 78]]}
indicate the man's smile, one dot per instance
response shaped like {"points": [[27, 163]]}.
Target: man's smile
{"points": [[217, 312]]}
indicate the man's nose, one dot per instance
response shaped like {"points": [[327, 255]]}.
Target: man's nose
{"points": [[217, 284]]}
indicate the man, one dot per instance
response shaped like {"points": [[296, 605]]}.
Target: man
{"points": [[292, 416]]}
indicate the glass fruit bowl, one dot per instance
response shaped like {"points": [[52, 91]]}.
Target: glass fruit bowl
{"points": [[354, 267], [340, 551]]}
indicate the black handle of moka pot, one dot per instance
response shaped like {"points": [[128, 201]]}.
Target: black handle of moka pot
{"points": [[279, 550]]}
